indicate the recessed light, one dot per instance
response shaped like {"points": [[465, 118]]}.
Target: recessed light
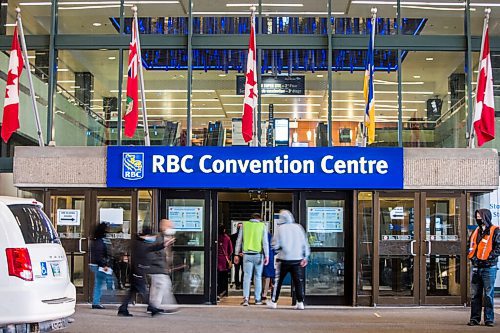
{"points": [[319, 75], [416, 76], [429, 59], [96, 24], [222, 75], [111, 58]]}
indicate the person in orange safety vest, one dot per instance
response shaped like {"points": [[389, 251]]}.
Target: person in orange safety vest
{"points": [[484, 250]]}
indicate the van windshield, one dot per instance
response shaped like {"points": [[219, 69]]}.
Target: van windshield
{"points": [[34, 224]]}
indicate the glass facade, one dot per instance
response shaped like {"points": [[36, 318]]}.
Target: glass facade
{"points": [[421, 74]]}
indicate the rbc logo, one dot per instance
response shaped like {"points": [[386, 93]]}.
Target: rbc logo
{"points": [[133, 166]]}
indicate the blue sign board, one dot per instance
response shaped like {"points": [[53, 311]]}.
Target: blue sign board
{"points": [[255, 168]]}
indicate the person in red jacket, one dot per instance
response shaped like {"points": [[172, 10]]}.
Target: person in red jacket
{"points": [[483, 252]]}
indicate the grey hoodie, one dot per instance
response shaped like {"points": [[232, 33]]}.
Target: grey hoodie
{"points": [[290, 239]]}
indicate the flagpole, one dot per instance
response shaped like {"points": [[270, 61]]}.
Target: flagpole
{"points": [[372, 37], [255, 139], [487, 12], [141, 81], [24, 52]]}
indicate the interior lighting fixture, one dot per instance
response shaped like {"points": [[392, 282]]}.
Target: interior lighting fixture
{"points": [[96, 24], [429, 59], [265, 5]]}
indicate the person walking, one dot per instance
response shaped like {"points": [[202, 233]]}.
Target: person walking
{"points": [[160, 267], [484, 250], [100, 263], [238, 277], [224, 253], [269, 271], [142, 245], [252, 238], [290, 242]]}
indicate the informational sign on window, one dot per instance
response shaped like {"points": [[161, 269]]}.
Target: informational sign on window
{"points": [[68, 217], [397, 213], [325, 219], [397, 237], [111, 215], [186, 218]]}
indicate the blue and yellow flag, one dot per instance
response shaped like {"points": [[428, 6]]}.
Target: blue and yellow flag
{"points": [[368, 89]]}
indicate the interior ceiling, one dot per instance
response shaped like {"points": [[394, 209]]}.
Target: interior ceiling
{"points": [[214, 96]]}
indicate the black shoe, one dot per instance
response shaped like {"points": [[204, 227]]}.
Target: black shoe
{"points": [[149, 309], [124, 314], [98, 306], [489, 324], [156, 311], [472, 323]]}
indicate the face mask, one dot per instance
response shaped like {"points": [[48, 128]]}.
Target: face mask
{"points": [[169, 232], [479, 222]]}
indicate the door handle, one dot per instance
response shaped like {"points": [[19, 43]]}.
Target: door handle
{"points": [[80, 245], [429, 249], [412, 252]]}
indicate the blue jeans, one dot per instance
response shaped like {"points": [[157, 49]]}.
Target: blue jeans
{"points": [[483, 282], [253, 263], [99, 279]]}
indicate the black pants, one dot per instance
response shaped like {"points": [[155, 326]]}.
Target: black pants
{"points": [[222, 282], [137, 286], [283, 267], [237, 279]]}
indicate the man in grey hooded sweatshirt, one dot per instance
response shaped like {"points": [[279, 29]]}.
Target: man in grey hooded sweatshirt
{"points": [[290, 242]]}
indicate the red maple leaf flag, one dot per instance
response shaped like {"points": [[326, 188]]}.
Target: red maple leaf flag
{"points": [[484, 116], [10, 121], [131, 116], [250, 87]]}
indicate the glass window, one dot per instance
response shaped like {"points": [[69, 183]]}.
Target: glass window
{"points": [[438, 18], [89, 17], [35, 16], [188, 216], [325, 223], [145, 210], [325, 273], [434, 103], [116, 212], [165, 85], [352, 19], [34, 224], [188, 275], [86, 102], [365, 243], [477, 17]]}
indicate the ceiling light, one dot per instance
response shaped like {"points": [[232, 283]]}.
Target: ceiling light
{"points": [[63, 70], [319, 75], [111, 58], [265, 5], [222, 75], [416, 76], [96, 24], [429, 58], [9, 25]]}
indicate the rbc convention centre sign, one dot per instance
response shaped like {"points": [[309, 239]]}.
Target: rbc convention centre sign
{"points": [[254, 168]]}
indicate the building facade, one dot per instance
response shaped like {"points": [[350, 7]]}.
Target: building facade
{"points": [[311, 58]]}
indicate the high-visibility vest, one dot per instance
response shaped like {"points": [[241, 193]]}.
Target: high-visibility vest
{"points": [[483, 250], [252, 236]]}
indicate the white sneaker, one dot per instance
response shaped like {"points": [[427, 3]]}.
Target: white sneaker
{"points": [[271, 304], [299, 306]]}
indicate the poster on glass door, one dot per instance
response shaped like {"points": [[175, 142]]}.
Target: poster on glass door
{"points": [[325, 219], [186, 218]]}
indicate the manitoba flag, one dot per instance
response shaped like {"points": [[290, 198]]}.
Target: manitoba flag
{"points": [[484, 115], [10, 121], [131, 116], [250, 87]]}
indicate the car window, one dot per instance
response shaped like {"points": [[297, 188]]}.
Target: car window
{"points": [[34, 224]]}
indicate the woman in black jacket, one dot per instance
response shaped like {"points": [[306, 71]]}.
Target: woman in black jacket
{"points": [[99, 259]]}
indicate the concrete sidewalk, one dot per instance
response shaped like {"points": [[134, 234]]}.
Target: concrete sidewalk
{"points": [[253, 319]]}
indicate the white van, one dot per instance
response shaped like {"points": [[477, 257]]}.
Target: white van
{"points": [[36, 292]]}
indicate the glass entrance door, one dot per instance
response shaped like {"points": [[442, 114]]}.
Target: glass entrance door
{"points": [[191, 213], [443, 267], [68, 213], [326, 218], [397, 246]]}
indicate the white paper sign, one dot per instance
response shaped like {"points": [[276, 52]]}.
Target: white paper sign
{"points": [[325, 219], [186, 218], [397, 213], [68, 217], [111, 215]]}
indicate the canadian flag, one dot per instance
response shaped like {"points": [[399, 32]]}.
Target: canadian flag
{"points": [[250, 87], [484, 116], [131, 116], [10, 121]]}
